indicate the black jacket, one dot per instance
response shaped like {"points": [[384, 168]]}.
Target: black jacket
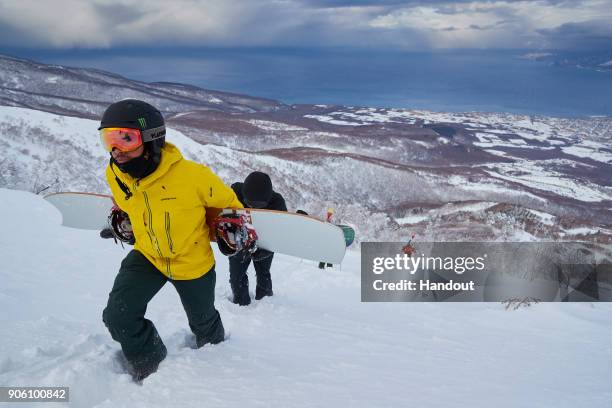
{"points": [[276, 203]]}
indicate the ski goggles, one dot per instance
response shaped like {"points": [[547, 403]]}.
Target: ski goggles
{"points": [[128, 139]]}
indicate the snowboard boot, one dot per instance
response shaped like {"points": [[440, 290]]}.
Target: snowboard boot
{"points": [[240, 290], [215, 335], [242, 297], [141, 368], [260, 292], [264, 286]]}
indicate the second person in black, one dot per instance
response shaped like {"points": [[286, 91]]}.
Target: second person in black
{"points": [[255, 192]]}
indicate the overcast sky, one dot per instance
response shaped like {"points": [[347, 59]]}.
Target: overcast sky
{"points": [[410, 25]]}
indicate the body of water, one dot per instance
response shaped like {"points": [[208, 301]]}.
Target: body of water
{"points": [[490, 81]]}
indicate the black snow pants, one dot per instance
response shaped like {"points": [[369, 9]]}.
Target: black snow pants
{"points": [[135, 285], [239, 280]]}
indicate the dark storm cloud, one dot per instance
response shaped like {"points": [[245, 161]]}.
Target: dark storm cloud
{"points": [[487, 27], [594, 34], [413, 3], [408, 24]]}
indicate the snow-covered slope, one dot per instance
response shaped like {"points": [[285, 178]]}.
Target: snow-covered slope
{"points": [[313, 344], [63, 153]]}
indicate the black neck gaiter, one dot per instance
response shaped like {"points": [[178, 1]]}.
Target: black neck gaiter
{"points": [[138, 167]]}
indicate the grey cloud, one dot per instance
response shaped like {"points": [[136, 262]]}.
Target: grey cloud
{"points": [[328, 32], [109, 23], [444, 5], [358, 3], [488, 26], [119, 13], [594, 34], [13, 36]]}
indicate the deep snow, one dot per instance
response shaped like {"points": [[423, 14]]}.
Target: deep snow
{"points": [[313, 344]]}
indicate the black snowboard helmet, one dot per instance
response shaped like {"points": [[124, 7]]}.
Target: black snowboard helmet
{"points": [[257, 190], [135, 114]]}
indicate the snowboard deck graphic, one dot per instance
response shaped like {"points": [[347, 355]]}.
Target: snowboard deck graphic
{"points": [[293, 234], [349, 234]]}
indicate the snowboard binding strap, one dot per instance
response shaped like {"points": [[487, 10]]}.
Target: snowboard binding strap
{"points": [[235, 235], [119, 223]]}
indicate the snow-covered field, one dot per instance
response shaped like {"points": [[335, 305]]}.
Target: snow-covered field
{"points": [[313, 344], [571, 135]]}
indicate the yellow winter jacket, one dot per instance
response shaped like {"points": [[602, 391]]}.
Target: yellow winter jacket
{"points": [[167, 210]]}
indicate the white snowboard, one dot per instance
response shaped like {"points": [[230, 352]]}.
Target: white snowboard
{"points": [[82, 210], [298, 235]]}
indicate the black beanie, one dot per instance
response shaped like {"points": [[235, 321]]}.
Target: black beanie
{"points": [[257, 187]]}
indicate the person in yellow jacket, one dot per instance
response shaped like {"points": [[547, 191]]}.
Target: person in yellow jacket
{"points": [[167, 199]]}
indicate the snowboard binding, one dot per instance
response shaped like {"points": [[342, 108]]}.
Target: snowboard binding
{"points": [[235, 235], [120, 225]]}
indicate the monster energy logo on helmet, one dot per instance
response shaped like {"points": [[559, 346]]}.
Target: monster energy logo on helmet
{"points": [[142, 122]]}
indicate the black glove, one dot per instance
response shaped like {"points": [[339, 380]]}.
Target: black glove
{"points": [[107, 233], [301, 212]]}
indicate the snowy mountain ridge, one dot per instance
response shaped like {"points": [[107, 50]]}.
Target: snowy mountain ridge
{"points": [[87, 92], [43, 149], [388, 172]]}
